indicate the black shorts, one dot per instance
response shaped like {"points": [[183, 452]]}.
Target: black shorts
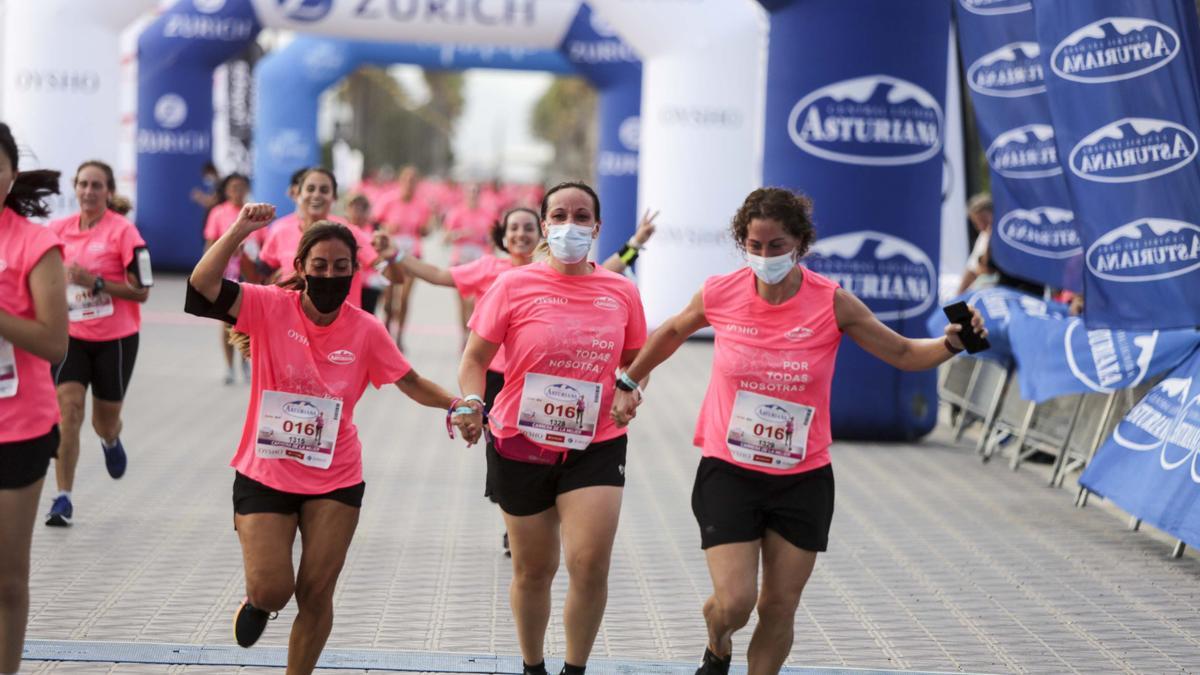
{"points": [[734, 504], [370, 299], [106, 366], [492, 386], [23, 463], [525, 489], [251, 496]]}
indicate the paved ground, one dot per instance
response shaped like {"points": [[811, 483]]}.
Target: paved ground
{"points": [[937, 562]]}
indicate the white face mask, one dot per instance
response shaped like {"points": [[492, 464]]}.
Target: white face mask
{"points": [[569, 243], [771, 270]]}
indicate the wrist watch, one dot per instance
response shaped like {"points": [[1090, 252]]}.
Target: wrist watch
{"points": [[97, 285]]}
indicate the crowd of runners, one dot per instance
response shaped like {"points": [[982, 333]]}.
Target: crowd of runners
{"points": [[316, 306]]}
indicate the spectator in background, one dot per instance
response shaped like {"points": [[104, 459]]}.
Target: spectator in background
{"points": [[979, 272], [206, 194]]}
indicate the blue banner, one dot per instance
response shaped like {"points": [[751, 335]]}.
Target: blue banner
{"points": [[1034, 235], [595, 50], [1058, 355], [176, 57], [855, 119], [1124, 94], [1150, 467], [998, 305]]}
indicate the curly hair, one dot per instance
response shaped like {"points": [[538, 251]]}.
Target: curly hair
{"points": [[31, 189], [792, 209]]}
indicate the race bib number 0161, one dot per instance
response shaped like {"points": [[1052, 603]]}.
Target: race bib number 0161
{"points": [[765, 431], [559, 411], [83, 305], [297, 427], [8, 370]]}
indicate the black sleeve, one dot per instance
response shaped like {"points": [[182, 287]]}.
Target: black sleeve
{"points": [[198, 305]]}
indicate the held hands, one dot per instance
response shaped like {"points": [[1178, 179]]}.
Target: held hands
{"points": [[953, 330], [383, 246], [470, 425], [624, 407], [645, 228], [255, 217]]}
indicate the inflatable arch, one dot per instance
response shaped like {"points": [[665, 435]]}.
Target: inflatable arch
{"points": [[174, 108]]}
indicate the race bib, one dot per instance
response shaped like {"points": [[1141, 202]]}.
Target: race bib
{"points": [[765, 431], [8, 370], [297, 427], [83, 305], [559, 411]]}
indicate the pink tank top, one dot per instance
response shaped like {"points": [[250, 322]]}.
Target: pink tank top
{"points": [[767, 404]]}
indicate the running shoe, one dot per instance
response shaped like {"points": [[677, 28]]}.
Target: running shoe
{"points": [[249, 622], [114, 458], [713, 664], [60, 512]]}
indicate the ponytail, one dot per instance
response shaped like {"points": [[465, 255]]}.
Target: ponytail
{"points": [[29, 192], [120, 204]]}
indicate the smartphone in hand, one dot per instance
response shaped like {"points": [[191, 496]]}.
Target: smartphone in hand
{"points": [[960, 314]]}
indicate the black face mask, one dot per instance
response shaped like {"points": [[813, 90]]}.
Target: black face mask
{"points": [[327, 293]]}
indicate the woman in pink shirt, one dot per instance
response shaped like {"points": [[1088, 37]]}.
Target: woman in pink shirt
{"points": [[299, 463], [104, 297], [232, 194], [764, 488], [468, 227], [566, 324], [33, 335]]}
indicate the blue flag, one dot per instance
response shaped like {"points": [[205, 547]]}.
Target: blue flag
{"points": [[1034, 235], [1150, 467], [1124, 95], [1058, 355]]}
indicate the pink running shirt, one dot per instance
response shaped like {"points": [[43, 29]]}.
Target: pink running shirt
{"points": [[106, 250], [33, 409], [405, 219], [477, 226], [291, 354], [559, 325], [784, 352], [220, 219], [283, 242], [474, 279]]}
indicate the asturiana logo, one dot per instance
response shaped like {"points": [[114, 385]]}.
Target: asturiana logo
{"points": [[1149, 422], [769, 412], [301, 410], [1147, 249], [562, 392], [1114, 48], [1025, 152], [1044, 231], [892, 275], [877, 120], [992, 7], [1010, 71], [342, 357], [605, 302], [798, 333], [1119, 359], [305, 10], [1132, 149]]}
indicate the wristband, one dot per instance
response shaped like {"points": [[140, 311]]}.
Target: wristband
{"points": [[628, 254], [97, 285], [626, 383], [950, 348], [474, 397], [632, 243]]}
